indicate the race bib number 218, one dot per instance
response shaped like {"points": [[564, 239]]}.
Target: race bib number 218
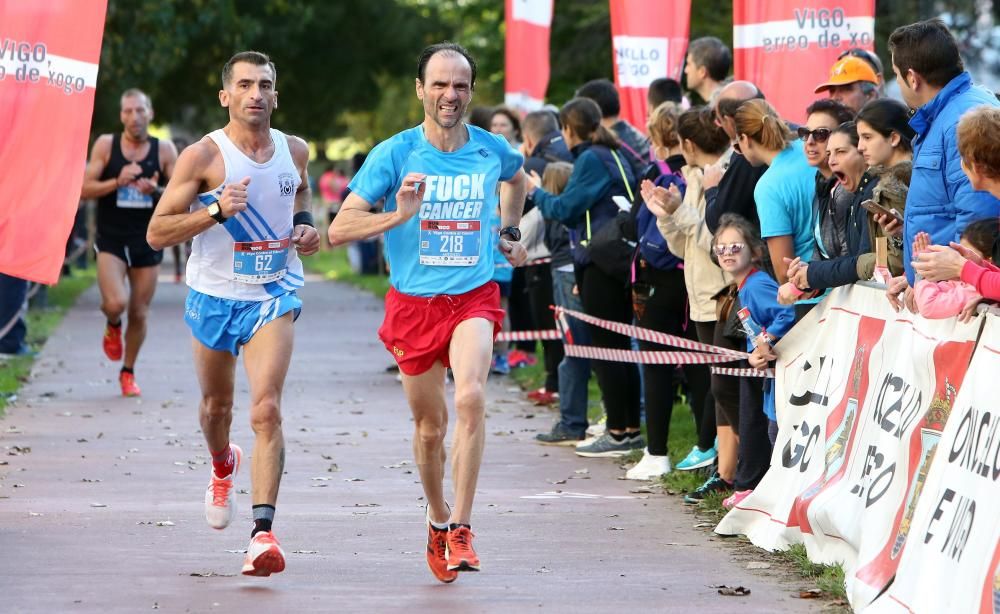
{"points": [[450, 242]]}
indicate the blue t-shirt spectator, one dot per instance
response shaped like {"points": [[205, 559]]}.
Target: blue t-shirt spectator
{"points": [[784, 196]]}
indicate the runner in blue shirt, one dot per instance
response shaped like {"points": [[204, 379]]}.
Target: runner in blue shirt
{"points": [[440, 183]]}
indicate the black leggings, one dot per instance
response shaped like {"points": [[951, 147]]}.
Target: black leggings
{"points": [[607, 298], [519, 309], [662, 306], [726, 388], [538, 279], [755, 445]]}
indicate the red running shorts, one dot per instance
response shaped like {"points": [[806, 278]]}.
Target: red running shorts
{"points": [[418, 329]]}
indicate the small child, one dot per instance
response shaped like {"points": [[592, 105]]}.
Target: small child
{"points": [[738, 248], [937, 300]]}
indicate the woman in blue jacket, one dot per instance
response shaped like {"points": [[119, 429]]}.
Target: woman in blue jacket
{"points": [[585, 206]]}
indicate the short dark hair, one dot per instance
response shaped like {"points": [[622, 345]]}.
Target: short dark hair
{"points": [[445, 47], [539, 123], [250, 57], [507, 112], [663, 90], [929, 49], [602, 92], [712, 53], [582, 116], [837, 110], [698, 126], [982, 235], [850, 129], [886, 116], [134, 91]]}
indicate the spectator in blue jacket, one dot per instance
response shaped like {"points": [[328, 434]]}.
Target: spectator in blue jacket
{"points": [[933, 82]]}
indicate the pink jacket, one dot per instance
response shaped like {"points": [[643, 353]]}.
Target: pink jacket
{"points": [[985, 279], [942, 299]]}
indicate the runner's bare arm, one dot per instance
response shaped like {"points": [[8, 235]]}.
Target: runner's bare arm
{"points": [[305, 237], [168, 159], [100, 153], [355, 221], [172, 222], [512, 193]]}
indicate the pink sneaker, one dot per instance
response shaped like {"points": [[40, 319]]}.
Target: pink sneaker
{"points": [[735, 499]]}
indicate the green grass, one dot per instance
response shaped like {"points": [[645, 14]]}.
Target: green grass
{"points": [[333, 264], [829, 578], [41, 324]]}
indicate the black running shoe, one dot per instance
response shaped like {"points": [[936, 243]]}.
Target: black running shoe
{"points": [[714, 484]]}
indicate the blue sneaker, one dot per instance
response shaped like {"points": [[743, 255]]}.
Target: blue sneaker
{"points": [[697, 458], [500, 365]]}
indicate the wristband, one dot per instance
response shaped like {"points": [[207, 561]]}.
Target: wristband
{"points": [[795, 290], [303, 217]]}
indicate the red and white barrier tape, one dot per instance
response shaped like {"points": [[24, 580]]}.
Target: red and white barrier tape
{"points": [[538, 261], [643, 356], [529, 335], [742, 372], [654, 336]]}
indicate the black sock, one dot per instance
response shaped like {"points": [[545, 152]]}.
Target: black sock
{"points": [[114, 324], [456, 525], [263, 516], [618, 436], [128, 370], [632, 434]]}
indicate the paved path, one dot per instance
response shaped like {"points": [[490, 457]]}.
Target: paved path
{"points": [[104, 513]]}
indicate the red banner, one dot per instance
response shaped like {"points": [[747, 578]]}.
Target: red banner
{"points": [[527, 53], [49, 53], [648, 41], [786, 47]]}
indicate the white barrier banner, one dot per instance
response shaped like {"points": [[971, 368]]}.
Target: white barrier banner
{"points": [[952, 558], [862, 393]]}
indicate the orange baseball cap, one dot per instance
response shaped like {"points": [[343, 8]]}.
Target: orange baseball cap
{"points": [[849, 69]]}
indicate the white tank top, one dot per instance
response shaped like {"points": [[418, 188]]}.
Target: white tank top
{"points": [[250, 257]]}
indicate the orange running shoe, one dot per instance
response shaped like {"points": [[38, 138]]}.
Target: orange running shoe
{"points": [[461, 556], [129, 387], [113, 342], [264, 556], [437, 553]]}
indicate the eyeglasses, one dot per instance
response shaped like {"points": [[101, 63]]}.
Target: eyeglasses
{"points": [[730, 249], [820, 135]]}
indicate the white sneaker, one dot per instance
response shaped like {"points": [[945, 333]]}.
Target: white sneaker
{"points": [[597, 429], [264, 556], [220, 500], [649, 468]]}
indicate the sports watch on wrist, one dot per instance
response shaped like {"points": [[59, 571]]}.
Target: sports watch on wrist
{"points": [[513, 233], [215, 210]]}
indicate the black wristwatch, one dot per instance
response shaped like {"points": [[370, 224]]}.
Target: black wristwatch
{"points": [[513, 232], [215, 211]]}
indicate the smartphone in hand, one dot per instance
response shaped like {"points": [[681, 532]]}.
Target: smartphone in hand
{"points": [[877, 209]]}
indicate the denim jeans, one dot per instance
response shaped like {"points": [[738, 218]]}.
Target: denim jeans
{"points": [[574, 373], [13, 292]]}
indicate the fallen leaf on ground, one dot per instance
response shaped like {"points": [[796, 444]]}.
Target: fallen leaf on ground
{"points": [[758, 565], [211, 574], [732, 591], [616, 528], [164, 523], [98, 505], [305, 551], [813, 593]]}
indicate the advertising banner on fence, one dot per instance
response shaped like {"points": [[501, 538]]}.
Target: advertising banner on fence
{"points": [[858, 426], [952, 558], [648, 41], [526, 53], [787, 47], [49, 52]]}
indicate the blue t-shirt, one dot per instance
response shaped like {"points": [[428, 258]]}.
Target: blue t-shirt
{"points": [[784, 196], [759, 296], [447, 248]]}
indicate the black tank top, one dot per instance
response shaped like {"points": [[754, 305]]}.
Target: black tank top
{"points": [[125, 212]]}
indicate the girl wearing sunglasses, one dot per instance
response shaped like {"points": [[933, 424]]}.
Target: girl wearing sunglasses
{"points": [[738, 250]]}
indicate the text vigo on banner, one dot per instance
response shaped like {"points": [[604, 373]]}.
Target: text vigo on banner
{"points": [[780, 44]]}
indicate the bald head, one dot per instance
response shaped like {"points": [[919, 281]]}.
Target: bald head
{"points": [[739, 90]]}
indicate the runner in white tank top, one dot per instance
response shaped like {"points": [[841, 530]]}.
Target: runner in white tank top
{"points": [[242, 193]]}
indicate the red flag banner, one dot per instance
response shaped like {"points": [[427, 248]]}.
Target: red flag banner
{"points": [[526, 59], [649, 41], [49, 53], [786, 47]]}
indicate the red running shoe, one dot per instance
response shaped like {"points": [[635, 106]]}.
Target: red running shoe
{"points": [[518, 359], [264, 556], [129, 387], [461, 556], [546, 398], [437, 553], [113, 342]]}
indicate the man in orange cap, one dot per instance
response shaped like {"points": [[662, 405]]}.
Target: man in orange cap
{"points": [[852, 82]]}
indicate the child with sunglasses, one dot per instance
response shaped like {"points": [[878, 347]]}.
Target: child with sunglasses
{"points": [[738, 249]]}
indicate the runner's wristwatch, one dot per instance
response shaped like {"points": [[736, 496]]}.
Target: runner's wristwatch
{"points": [[512, 232], [215, 210]]}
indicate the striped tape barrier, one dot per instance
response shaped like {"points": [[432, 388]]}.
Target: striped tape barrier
{"points": [[644, 356], [742, 372], [529, 335]]}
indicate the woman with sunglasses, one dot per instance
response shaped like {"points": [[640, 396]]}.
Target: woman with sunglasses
{"points": [[829, 270], [784, 193]]}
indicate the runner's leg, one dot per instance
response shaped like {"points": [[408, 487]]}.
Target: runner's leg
{"points": [[266, 358], [142, 281], [216, 375], [111, 272], [425, 394], [470, 361]]}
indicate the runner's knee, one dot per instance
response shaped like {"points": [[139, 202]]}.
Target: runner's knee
{"points": [[113, 306], [137, 313], [265, 416], [431, 433], [470, 400], [216, 407]]}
